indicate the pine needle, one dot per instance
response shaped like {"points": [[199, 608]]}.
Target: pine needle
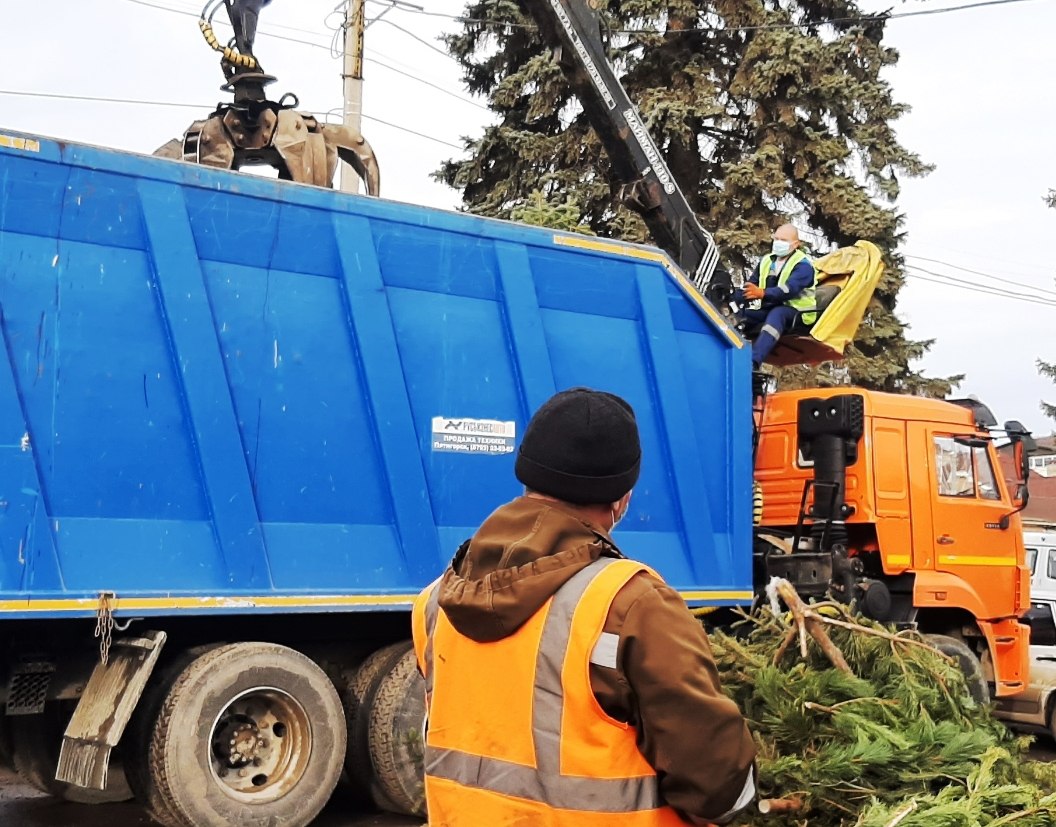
{"points": [[869, 727]]}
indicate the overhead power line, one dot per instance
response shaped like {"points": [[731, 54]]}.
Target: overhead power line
{"points": [[1013, 282], [1024, 290], [201, 107], [421, 40], [985, 291], [425, 82], [368, 58], [873, 18], [414, 132], [98, 99]]}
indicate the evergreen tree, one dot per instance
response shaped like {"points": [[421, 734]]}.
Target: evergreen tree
{"points": [[1048, 368], [541, 211], [765, 112]]}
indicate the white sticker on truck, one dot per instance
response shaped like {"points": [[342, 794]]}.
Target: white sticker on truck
{"points": [[473, 436]]}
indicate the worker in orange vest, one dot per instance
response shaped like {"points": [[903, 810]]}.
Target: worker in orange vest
{"points": [[567, 684]]}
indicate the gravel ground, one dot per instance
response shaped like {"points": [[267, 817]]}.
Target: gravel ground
{"points": [[21, 806]]}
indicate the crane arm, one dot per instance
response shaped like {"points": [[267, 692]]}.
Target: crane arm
{"points": [[648, 187]]}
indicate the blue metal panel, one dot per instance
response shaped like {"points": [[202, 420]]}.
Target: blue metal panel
{"points": [[207, 397], [275, 329], [525, 325], [97, 381], [31, 195], [677, 425], [28, 559], [393, 424], [98, 203]]}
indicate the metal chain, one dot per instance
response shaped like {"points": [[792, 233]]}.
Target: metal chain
{"points": [[104, 625]]}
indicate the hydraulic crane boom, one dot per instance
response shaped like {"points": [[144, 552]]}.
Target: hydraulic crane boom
{"points": [[648, 187]]}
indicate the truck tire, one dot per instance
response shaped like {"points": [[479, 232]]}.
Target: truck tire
{"points": [[969, 663], [248, 733], [358, 692], [397, 746], [36, 741], [136, 741]]}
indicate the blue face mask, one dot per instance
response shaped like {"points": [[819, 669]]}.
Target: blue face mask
{"points": [[781, 248]]}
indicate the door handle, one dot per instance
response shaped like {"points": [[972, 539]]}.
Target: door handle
{"points": [[945, 540]]}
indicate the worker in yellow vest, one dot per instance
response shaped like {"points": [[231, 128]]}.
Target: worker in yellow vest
{"points": [[784, 286], [566, 683]]}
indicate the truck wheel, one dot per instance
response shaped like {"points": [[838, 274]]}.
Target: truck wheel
{"points": [[359, 690], [397, 746], [248, 732], [136, 740], [968, 661], [35, 744]]}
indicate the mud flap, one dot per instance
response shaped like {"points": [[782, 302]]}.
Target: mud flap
{"points": [[104, 710]]}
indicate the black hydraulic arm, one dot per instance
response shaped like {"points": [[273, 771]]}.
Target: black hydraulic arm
{"points": [[648, 186]]}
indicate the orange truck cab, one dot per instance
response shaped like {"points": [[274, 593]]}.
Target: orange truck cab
{"points": [[898, 504]]}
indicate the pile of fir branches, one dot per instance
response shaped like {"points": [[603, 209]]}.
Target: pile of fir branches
{"points": [[859, 726]]}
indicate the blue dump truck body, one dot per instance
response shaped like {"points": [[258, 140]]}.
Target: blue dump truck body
{"points": [[223, 393]]}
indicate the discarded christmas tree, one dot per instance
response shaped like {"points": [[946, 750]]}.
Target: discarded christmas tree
{"points": [[872, 728]]}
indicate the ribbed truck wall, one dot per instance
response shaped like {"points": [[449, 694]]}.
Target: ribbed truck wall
{"points": [[227, 393]]}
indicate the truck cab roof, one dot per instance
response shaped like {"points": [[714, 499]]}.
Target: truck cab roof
{"points": [[781, 407]]}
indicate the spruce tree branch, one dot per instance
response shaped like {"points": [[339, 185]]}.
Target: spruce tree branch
{"points": [[807, 621], [902, 814], [868, 630]]}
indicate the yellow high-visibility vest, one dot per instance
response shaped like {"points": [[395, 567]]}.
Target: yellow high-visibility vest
{"points": [[806, 302]]}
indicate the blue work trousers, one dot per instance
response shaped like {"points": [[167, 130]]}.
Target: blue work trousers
{"points": [[771, 323]]}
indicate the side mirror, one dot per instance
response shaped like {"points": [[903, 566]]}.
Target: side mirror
{"points": [[1022, 460], [1016, 429], [1022, 446]]}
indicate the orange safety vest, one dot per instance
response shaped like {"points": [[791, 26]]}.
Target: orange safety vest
{"points": [[516, 737]]}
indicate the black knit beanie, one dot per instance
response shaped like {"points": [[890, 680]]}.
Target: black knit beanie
{"points": [[581, 447]]}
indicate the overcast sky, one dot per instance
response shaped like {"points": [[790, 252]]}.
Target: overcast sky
{"points": [[980, 82]]}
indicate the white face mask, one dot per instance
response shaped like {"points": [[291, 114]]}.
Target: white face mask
{"points": [[781, 248]]}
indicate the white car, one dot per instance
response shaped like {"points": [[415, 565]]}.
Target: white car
{"points": [[1035, 708], [1040, 543]]}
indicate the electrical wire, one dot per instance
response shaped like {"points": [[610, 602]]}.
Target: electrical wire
{"points": [[260, 32], [97, 99], [981, 273], [998, 295], [1042, 294], [986, 291], [873, 18], [458, 18], [413, 132], [421, 40], [425, 82], [367, 58], [200, 107]]}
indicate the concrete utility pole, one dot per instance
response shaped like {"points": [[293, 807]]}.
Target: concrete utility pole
{"points": [[355, 24]]}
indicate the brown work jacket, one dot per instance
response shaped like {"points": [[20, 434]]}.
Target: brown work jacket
{"points": [[664, 682]]}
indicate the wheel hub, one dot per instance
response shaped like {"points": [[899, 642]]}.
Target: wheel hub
{"points": [[260, 745]]}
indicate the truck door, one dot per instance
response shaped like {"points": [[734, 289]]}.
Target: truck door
{"points": [[967, 506]]}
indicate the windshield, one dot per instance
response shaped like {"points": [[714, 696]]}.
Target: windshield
{"points": [[1032, 558]]}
